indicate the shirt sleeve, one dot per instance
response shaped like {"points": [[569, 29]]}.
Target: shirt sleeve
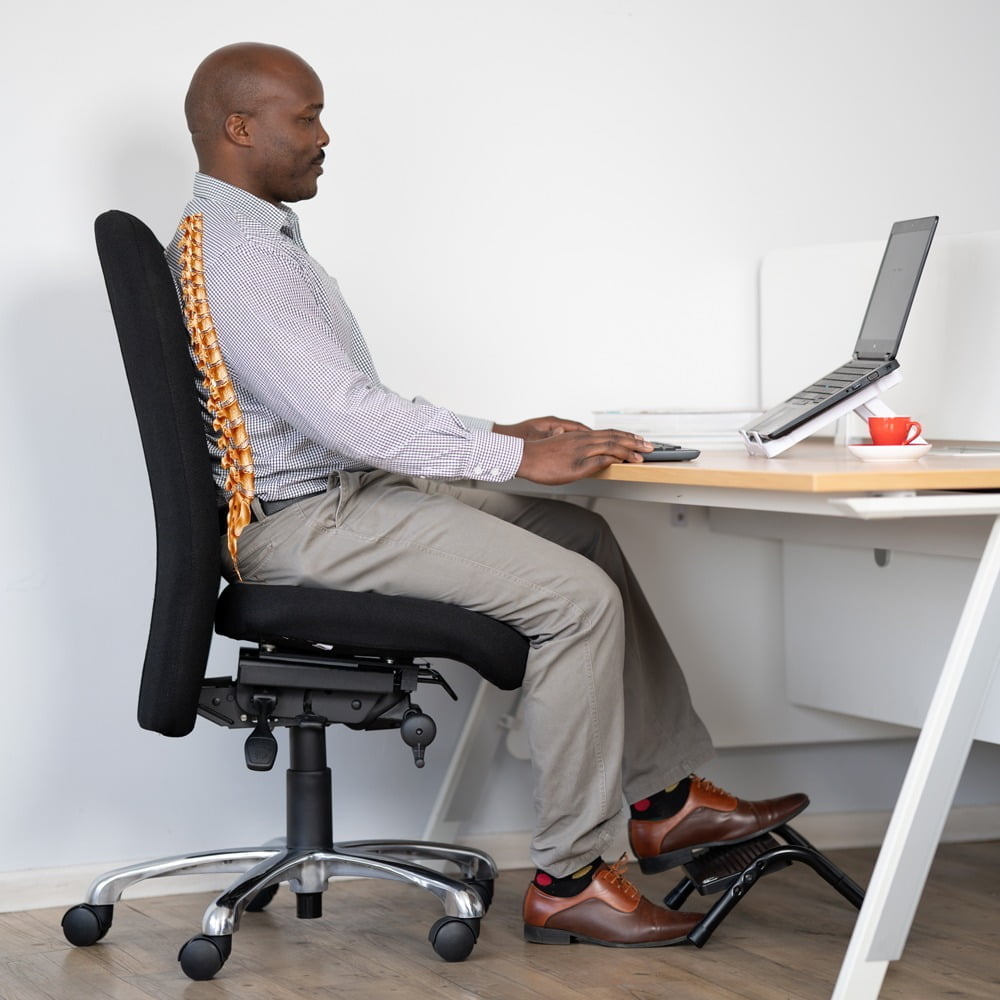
{"points": [[481, 424], [282, 348]]}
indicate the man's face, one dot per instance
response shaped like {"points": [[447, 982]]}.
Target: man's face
{"points": [[288, 138]]}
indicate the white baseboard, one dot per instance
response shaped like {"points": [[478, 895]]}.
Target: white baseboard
{"points": [[828, 831], [38, 888], [44, 887], [867, 829]]}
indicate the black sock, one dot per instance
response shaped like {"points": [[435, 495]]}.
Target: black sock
{"points": [[669, 802], [569, 885]]}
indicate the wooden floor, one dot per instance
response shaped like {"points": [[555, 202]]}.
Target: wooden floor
{"points": [[784, 941]]}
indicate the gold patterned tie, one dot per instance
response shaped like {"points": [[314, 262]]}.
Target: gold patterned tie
{"points": [[227, 417]]}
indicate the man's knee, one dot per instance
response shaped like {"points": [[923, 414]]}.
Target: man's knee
{"points": [[597, 593]]}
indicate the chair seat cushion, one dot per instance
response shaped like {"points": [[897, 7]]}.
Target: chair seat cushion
{"points": [[374, 623]]}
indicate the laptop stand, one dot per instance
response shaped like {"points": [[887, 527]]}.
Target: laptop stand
{"points": [[865, 403], [733, 871]]}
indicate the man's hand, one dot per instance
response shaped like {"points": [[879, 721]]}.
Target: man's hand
{"points": [[538, 427], [568, 455]]}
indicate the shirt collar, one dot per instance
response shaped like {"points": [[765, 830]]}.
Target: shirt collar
{"points": [[279, 217]]}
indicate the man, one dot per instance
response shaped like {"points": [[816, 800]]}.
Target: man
{"points": [[356, 488]]}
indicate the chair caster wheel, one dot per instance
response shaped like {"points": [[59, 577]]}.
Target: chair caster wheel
{"points": [[86, 924], [260, 901], [454, 938], [203, 956], [483, 888]]}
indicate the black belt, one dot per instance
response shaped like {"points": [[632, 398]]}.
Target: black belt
{"points": [[269, 507]]}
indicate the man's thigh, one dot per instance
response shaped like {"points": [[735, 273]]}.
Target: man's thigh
{"points": [[476, 548], [565, 523]]}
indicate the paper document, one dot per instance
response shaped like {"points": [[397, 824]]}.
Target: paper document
{"points": [[703, 428]]}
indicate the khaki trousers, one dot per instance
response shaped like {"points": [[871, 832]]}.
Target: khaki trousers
{"points": [[606, 708]]}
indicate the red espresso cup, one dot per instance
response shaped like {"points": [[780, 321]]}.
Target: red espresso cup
{"points": [[893, 430]]}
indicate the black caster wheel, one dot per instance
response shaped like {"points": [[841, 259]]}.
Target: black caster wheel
{"points": [[454, 938], [483, 888], [203, 956], [260, 901], [86, 924]]}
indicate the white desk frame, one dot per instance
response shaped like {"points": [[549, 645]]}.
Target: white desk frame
{"points": [[942, 748], [936, 766]]}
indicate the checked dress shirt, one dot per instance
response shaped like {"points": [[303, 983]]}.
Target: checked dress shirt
{"points": [[309, 392]]}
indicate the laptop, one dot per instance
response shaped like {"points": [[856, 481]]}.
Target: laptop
{"points": [[878, 342]]}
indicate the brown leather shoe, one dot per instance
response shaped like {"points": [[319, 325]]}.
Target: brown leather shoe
{"points": [[709, 818], [610, 911]]}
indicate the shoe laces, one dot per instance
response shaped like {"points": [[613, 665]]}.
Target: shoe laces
{"points": [[615, 877], [707, 786]]}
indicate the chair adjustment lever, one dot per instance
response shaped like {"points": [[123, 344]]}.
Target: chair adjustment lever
{"points": [[261, 748], [428, 675], [418, 732]]}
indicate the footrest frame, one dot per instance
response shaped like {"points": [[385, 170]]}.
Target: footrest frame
{"points": [[733, 871]]}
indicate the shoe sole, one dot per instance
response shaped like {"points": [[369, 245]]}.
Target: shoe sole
{"points": [[684, 855], [551, 935]]}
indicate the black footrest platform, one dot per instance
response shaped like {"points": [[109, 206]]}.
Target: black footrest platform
{"points": [[717, 869], [733, 871]]}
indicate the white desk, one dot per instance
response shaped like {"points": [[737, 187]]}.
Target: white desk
{"points": [[821, 480]]}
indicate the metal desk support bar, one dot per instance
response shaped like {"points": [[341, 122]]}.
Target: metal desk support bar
{"points": [[931, 779]]}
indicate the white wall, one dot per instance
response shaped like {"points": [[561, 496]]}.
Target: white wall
{"points": [[532, 206]]}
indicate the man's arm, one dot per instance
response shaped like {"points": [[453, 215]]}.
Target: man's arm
{"points": [[282, 349], [297, 360]]}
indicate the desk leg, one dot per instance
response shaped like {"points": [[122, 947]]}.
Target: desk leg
{"points": [[929, 787]]}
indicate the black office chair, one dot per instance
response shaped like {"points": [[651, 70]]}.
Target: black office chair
{"points": [[318, 657]]}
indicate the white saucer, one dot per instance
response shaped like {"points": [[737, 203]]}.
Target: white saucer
{"points": [[889, 452]]}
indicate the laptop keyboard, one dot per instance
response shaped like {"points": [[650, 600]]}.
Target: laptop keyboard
{"points": [[841, 378]]}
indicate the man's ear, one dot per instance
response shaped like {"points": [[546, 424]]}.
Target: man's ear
{"points": [[238, 129]]}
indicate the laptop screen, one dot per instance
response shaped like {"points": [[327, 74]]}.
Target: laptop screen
{"points": [[895, 287]]}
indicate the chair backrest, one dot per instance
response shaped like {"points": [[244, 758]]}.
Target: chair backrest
{"points": [[162, 378]]}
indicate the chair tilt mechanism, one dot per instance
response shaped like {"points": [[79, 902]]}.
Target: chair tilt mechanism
{"points": [[314, 657]]}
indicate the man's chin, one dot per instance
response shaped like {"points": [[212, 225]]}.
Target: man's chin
{"points": [[303, 193]]}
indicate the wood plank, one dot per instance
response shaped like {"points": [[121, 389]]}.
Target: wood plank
{"points": [[816, 467], [786, 939]]}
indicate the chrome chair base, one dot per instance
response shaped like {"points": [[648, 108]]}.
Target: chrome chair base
{"points": [[465, 899]]}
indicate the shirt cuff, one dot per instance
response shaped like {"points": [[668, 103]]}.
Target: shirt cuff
{"points": [[495, 457]]}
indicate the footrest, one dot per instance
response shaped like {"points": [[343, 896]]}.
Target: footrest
{"points": [[717, 869], [733, 871]]}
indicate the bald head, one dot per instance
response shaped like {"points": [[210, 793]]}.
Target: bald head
{"points": [[245, 98]]}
